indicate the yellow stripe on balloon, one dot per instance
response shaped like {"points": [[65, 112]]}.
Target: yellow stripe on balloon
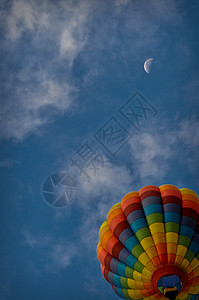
{"points": [[151, 252], [194, 263], [172, 237], [171, 248], [185, 263], [181, 250], [150, 266], [147, 243], [139, 277], [146, 272], [133, 284], [189, 192], [143, 258], [104, 227], [156, 228], [159, 238], [114, 207]]}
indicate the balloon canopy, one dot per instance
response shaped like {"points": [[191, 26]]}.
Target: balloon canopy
{"points": [[149, 245]]}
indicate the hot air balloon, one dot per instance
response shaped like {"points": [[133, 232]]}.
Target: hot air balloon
{"points": [[149, 245]]}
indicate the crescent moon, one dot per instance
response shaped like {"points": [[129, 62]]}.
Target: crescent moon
{"points": [[147, 65]]}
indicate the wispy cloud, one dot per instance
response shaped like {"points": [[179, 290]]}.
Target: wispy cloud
{"points": [[42, 41], [150, 154], [74, 32], [8, 163], [21, 18], [39, 38], [95, 197], [189, 136], [107, 180], [61, 255], [59, 252], [37, 99], [155, 152], [30, 240]]}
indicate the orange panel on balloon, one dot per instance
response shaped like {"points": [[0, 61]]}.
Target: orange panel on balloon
{"points": [[111, 243]]}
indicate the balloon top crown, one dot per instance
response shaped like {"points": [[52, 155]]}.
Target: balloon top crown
{"points": [[149, 245]]}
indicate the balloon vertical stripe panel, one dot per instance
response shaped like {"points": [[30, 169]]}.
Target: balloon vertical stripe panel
{"points": [[191, 210], [132, 210], [152, 234], [116, 266], [110, 243], [187, 247], [152, 208], [172, 206], [120, 228]]}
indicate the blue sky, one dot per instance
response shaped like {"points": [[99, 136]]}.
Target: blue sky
{"points": [[67, 69]]}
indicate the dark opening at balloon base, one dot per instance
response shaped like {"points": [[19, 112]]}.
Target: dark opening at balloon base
{"points": [[171, 293], [169, 285], [169, 280]]}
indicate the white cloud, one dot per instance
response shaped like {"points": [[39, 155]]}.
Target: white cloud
{"points": [[156, 151], [36, 101], [150, 154], [74, 31], [21, 18], [36, 241], [69, 46], [29, 239], [35, 93], [189, 133], [105, 183], [65, 22], [26, 16], [95, 197], [189, 136], [59, 253]]}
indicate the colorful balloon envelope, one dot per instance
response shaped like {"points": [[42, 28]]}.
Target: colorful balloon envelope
{"points": [[149, 239]]}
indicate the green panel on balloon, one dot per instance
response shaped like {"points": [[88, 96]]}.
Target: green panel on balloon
{"points": [[124, 292], [138, 267], [124, 283], [142, 233], [128, 272], [189, 255], [154, 218], [184, 240], [172, 227], [137, 250]]}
